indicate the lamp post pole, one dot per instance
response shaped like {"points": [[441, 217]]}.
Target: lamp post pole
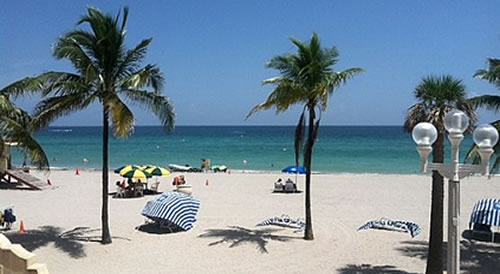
{"points": [[453, 258], [485, 137]]}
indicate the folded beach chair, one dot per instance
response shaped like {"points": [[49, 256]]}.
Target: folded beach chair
{"points": [[139, 190], [120, 192], [154, 186]]}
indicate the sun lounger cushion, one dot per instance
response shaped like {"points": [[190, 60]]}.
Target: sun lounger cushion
{"points": [[286, 221], [402, 226]]}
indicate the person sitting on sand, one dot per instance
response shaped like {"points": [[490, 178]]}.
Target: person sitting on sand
{"points": [[289, 181], [278, 185], [179, 180]]}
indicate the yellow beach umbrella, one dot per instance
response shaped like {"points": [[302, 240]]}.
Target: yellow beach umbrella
{"points": [[136, 174], [158, 171], [126, 168]]}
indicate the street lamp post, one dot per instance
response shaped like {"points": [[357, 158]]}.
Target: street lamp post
{"points": [[485, 137]]}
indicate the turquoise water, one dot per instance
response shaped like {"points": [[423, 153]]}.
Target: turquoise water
{"points": [[353, 149]]}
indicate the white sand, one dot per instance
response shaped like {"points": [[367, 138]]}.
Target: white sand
{"points": [[231, 206]]}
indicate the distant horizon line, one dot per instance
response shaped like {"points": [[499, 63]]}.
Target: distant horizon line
{"points": [[58, 126]]}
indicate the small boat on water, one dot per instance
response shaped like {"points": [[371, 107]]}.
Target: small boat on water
{"points": [[219, 168], [181, 168]]}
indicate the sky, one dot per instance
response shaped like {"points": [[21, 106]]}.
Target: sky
{"points": [[213, 53]]}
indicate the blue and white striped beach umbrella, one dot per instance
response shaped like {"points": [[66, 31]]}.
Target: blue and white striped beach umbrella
{"points": [[175, 208], [486, 212]]}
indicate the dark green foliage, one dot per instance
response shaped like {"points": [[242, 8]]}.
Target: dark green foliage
{"points": [[106, 72], [307, 78], [16, 126], [436, 96]]}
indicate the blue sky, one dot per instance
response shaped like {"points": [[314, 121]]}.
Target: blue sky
{"points": [[213, 52]]}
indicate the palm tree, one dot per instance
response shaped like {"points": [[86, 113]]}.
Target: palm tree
{"points": [[108, 73], [436, 96], [307, 78], [490, 102], [16, 127]]}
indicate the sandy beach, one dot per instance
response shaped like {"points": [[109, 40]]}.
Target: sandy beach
{"points": [[63, 226]]}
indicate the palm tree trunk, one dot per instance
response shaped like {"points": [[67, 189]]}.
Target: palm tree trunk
{"points": [[308, 234], [106, 236], [435, 255]]}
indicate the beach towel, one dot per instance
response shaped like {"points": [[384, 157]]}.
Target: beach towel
{"points": [[285, 221], [401, 226]]}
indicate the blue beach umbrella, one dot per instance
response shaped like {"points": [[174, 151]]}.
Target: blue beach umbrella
{"points": [[295, 169], [173, 210], [486, 212]]}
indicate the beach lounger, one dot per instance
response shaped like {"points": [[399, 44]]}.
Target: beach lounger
{"points": [[120, 192], [139, 190], [154, 186]]}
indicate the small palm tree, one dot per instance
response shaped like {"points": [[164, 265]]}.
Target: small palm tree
{"points": [[436, 96], [16, 127], [108, 73], [490, 102], [307, 79]]}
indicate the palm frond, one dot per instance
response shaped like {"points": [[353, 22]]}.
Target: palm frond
{"points": [[490, 102], [306, 77], [27, 85], [331, 82], [492, 74], [6, 105], [78, 47], [286, 94], [63, 83], [148, 76], [54, 107], [437, 95], [121, 116], [159, 105], [132, 59], [15, 132]]}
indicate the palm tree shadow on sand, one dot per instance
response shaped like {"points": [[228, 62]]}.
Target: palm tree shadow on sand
{"points": [[475, 256], [69, 242], [237, 235], [370, 269]]}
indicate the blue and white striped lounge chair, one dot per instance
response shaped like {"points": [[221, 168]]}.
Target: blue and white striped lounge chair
{"points": [[173, 210], [485, 214]]}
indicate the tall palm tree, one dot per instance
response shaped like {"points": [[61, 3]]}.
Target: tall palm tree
{"points": [[307, 78], [16, 127], [107, 73], [436, 96], [490, 102]]}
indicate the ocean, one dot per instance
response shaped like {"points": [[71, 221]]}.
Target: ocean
{"points": [[339, 149]]}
